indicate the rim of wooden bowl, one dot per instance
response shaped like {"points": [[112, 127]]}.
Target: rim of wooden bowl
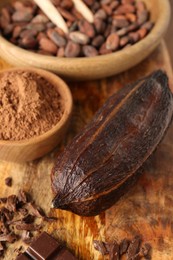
{"points": [[91, 67], [66, 96]]}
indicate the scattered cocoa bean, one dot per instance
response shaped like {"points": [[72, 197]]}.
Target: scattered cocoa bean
{"points": [[28, 42]]}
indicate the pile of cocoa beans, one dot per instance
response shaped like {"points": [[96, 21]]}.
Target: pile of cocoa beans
{"points": [[118, 24]]}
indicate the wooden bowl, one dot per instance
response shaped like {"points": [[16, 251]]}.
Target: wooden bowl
{"points": [[36, 147], [100, 66]]}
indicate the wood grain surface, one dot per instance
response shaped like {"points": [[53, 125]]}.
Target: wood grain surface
{"points": [[147, 209]]}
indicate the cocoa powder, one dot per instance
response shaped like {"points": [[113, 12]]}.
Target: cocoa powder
{"points": [[29, 105]]}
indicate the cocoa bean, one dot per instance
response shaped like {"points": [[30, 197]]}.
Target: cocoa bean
{"points": [[100, 25], [60, 32], [142, 17], [20, 16], [6, 14], [107, 9], [100, 14], [140, 6], [98, 41], [103, 50], [28, 42], [148, 25], [56, 38], [67, 15], [72, 49], [142, 33], [124, 41], [67, 4], [86, 28], [40, 18], [123, 31], [120, 23], [39, 27], [48, 45], [134, 37], [41, 35], [27, 33], [89, 51], [61, 52], [126, 8], [79, 37], [131, 17], [16, 31], [114, 5], [112, 42]]}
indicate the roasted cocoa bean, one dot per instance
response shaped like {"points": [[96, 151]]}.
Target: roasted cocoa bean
{"points": [[86, 28], [103, 161], [89, 51], [142, 33], [100, 25], [48, 45], [79, 37], [56, 38], [20, 16], [40, 18], [28, 42], [112, 42], [124, 41], [100, 14], [98, 41], [72, 49], [61, 52]]}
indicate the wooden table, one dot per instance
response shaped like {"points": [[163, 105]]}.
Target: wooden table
{"points": [[147, 209]]}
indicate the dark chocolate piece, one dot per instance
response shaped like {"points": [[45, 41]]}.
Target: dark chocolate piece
{"points": [[44, 247]]}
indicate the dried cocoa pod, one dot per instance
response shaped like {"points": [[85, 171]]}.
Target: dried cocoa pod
{"points": [[103, 161]]}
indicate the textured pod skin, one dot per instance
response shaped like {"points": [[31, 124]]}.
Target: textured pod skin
{"points": [[103, 162]]}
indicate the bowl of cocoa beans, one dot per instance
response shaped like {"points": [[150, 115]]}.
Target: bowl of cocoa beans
{"points": [[122, 34]]}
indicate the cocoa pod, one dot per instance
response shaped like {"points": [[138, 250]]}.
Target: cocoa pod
{"points": [[103, 161]]}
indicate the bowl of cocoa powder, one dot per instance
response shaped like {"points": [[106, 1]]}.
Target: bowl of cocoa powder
{"points": [[124, 32], [35, 109]]}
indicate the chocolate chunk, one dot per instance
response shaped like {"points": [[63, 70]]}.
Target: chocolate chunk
{"points": [[46, 247], [8, 181]]}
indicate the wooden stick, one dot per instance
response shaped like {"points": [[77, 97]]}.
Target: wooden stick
{"points": [[48, 8], [84, 10]]}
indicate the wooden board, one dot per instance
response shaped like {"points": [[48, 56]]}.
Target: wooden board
{"points": [[147, 209]]}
